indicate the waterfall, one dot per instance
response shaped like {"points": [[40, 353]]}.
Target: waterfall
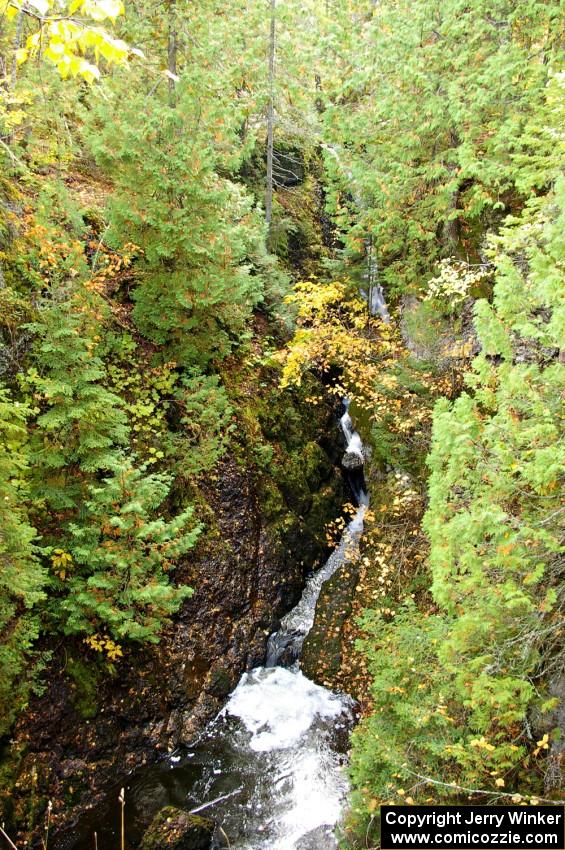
{"points": [[346, 424], [353, 442], [282, 731], [374, 294], [285, 645], [354, 457], [293, 722], [269, 767]]}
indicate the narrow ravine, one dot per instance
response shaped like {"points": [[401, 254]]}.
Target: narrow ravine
{"points": [[270, 767]]}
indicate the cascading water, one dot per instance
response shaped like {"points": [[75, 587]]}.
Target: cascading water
{"points": [[374, 294], [269, 768], [285, 645], [354, 457]]}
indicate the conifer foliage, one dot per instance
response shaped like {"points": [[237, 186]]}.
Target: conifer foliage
{"points": [[427, 117], [22, 577], [194, 230], [115, 575], [456, 689]]}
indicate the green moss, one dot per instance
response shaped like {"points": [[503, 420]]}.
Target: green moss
{"points": [[24, 783], [86, 679], [172, 828], [10, 760], [272, 503]]}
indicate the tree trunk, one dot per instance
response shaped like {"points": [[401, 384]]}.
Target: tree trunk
{"points": [[172, 53], [451, 226], [271, 117], [16, 46], [3, 58]]}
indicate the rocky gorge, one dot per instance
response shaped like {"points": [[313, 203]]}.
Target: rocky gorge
{"points": [[91, 723]]}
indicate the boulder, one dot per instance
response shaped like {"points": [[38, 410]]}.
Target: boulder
{"points": [[173, 829], [352, 460], [321, 838]]}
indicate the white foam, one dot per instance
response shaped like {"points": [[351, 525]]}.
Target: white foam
{"points": [[292, 722], [355, 445], [346, 426], [279, 706]]}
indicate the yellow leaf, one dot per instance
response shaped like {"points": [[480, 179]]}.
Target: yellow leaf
{"points": [[42, 6], [100, 10], [89, 71]]}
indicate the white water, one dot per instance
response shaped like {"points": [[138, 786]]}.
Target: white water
{"points": [[281, 739], [278, 706], [292, 722], [346, 425], [377, 303], [353, 442], [375, 296], [355, 445]]}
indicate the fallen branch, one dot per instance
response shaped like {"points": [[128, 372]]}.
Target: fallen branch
{"points": [[213, 802], [7, 837], [495, 793]]}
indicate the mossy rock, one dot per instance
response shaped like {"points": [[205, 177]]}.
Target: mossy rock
{"points": [[174, 829], [322, 649], [316, 465], [272, 502], [87, 680], [221, 681]]}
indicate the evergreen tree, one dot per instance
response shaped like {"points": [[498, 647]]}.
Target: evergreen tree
{"points": [[456, 688], [195, 231], [22, 578], [120, 554], [80, 425], [171, 154], [428, 107]]}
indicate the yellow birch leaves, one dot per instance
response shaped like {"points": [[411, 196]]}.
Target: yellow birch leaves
{"points": [[71, 39]]}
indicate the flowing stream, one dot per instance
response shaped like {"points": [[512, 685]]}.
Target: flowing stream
{"points": [[270, 767], [374, 294]]}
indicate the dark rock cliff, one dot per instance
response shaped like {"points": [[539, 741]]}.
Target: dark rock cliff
{"points": [[265, 531]]}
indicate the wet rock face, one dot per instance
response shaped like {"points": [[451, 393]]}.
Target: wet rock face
{"points": [[322, 650], [319, 839], [353, 460], [173, 829], [248, 573]]}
